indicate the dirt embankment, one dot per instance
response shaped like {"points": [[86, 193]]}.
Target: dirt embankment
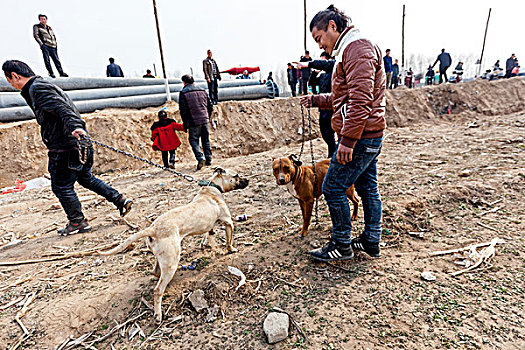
{"points": [[246, 127]]}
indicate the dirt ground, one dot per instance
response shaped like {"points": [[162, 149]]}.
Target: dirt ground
{"points": [[453, 179]]}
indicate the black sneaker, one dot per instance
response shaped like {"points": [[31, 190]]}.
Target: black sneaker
{"points": [[332, 251], [64, 75], [371, 249], [72, 228], [52, 76], [124, 205], [200, 164], [208, 162]]}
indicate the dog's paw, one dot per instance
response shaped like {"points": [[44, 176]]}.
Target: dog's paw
{"points": [[232, 250]]}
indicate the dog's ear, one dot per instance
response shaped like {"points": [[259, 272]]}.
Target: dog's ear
{"points": [[219, 170], [294, 160]]}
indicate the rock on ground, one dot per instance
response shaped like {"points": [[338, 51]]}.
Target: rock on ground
{"points": [[276, 326]]}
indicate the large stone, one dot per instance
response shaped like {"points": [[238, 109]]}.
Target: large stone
{"points": [[276, 326], [198, 301]]}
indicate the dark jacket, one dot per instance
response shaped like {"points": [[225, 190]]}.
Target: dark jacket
{"points": [[395, 69], [387, 60], [305, 72], [114, 70], [510, 64], [195, 106], [44, 35], [325, 79], [292, 75], [207, 68], [55, 112], [444, 60]]}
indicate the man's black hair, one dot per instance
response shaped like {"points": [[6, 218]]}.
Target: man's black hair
{"points": [[326, 54], [306, 52], [188, 79], [387, 50], [148, 71], [18, 67], [111, 60], [288, 64], [322, 18], [41, 15]]}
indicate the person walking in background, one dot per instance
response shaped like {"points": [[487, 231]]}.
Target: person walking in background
{"points": [[46, 39], [148, 74], [509, 65], [291, 73], [430, 76], [409, 78], [326, 64], [165, 138], [395, 75], [305, 72], [358, 102], [444, 62], [270, 77], [195, 109], [516, 70], [387, 60], [61, 128], [212, 76], [113, 69]]}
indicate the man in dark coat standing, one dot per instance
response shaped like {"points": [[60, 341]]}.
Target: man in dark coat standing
{"points": [[305, 72], [444, 62], [195, 109], [113, 69], [509, 65], [213, 76], [61, 129], [291, 73]]}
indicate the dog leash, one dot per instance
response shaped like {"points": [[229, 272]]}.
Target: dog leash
{"points": [[316, 181], [86, 141]]}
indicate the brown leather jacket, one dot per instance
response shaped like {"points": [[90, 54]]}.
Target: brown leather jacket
{"points": [[358, 90], [207, 67], [44, 35]]}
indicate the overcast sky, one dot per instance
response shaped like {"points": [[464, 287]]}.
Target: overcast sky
{"points": [[265, 33]]}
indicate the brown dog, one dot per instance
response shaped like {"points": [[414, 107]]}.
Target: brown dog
{"points": [[300, 182]]}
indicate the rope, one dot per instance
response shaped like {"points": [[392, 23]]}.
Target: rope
{"points": [[302, 132], [313, 166], [86, 142]]}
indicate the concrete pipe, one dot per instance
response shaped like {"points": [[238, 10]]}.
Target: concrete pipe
{"points": [[233, 93], [14, 99]]}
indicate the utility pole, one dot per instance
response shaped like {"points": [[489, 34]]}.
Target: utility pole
{"points": [[403, 39], [305, 30], [484, 39], [168, 96], [154, 69]]}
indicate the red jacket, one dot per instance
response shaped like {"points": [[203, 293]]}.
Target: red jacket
{"points": [[165, 138]]}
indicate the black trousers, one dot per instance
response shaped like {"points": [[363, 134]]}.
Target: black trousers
{"points": [[304, 86], [165, 158], [213, 90], [325, 124], [47, 52], [443, 72], [293, 87], [65, 169]]}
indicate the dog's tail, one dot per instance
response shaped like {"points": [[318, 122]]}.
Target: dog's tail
{"points": [[144, 233]]}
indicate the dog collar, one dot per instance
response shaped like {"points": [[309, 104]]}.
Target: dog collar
{"points": [[208, 183], [296, 172]]}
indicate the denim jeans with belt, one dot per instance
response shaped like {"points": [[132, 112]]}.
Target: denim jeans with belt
{"points": [[361, 172], [65, 169]]}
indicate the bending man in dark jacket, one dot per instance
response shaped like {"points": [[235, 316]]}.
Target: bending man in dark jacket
{"points": [[325, 87], [61, 127], [195, 109], [444, 62]]}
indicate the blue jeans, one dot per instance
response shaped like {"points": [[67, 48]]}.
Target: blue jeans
{"points": [[65, 169], [361, 172], [196, 133]]}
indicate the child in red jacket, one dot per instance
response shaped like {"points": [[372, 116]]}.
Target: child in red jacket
{"points": [[165, 138]]}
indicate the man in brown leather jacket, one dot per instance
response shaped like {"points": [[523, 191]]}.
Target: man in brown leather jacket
{"points": [[45, 37], [358, 102], [212, 75]]}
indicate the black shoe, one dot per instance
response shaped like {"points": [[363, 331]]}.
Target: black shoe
{"points": [[124, 205], [371, 249], [52, 76], [332, 251], [64, 75], [200, 164], [208, 162], [72, 228]]}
